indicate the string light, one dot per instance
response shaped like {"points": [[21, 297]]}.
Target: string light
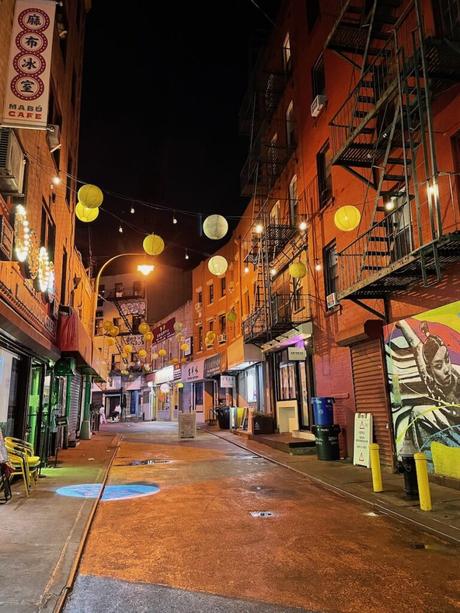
{"points": [[259, 228], [390, 204], [303, 226], [132, 210], [246, 269], [174, 219], [187, 257], [273, 272], [56, 180], [120, 229], [317, 265]]}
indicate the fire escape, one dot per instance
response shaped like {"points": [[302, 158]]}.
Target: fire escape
{"points": [[383, 134], [273, 237]]}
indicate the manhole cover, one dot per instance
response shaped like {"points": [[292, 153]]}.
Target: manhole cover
{"points": [[148, 462], [261, 514]]}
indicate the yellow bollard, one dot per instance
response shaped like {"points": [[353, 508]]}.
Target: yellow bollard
{"points": [[422, 480], [375, 467]]}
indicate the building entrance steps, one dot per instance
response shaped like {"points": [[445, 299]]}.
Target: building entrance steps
{"points": [[356, 481], [41, 534]]}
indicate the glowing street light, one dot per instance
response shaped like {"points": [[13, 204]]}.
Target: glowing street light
{"points": [[145, 269]]}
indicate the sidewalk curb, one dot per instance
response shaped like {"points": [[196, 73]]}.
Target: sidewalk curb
{"points": [[341, 492], [65, 591]]}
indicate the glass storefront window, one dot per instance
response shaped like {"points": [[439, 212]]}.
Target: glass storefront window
{"points": [[288, 387], [251, 385]]}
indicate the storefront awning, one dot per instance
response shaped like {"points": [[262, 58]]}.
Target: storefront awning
{"points": [[214, 365], [291, 337], [241, 355], [72, 337]]}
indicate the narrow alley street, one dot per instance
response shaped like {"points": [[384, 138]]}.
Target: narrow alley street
{"points": [[197, 544]]}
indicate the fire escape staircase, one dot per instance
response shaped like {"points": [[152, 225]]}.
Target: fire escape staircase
{"points": [[125, 319], [379, 135]]}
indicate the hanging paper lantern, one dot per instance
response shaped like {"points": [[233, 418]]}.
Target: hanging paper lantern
{"points": [[231, 316], [148, 337], [179, 385], [184, 361], [114, 331], [155, 356], [215, 227], [197, 306], [347, 218], [144, 328], [107, 325], [128, 348], [153, 244], [175, 361], [178, 326], [210, 337], [86, 214], [110, 341], [297, 270], [90, 196], [162, 353], [147, 367], [164, 387], [142, 353], [217, 265], [184, 347]]}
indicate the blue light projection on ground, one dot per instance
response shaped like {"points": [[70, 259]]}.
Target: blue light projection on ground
{"points": [[111, 492]]}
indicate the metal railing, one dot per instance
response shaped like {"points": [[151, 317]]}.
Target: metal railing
{"points": [[447, 18], [285, 312], [401, 235]]}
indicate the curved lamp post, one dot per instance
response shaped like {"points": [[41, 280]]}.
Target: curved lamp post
{"points": [[145, 269]]}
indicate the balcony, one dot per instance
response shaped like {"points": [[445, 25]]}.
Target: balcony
{"points": [[128, 293], [278, 230], [285, 312], [264, 165], [408, 245]]}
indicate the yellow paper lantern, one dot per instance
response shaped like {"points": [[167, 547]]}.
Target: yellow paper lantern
{"points": [[86, 214], [175, 361], [184, 346], [128, 348], [217, 265], [178, 326], [184, 361], [179, 385], [215, 227], [162, 353], [298, 270], [210, 337], [107, 325], [153, 244], [110, 341], [144, 328], [90, 196], [142, 353], [155, 356], [347, 218], [148, 337], [231, 316], [114, 331]]}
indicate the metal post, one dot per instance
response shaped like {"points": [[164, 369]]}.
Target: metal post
{"points": [[377, 484], [85, 429], [423, 483]]}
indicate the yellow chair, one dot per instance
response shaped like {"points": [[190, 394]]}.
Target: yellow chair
{"points": [[25, 450], [20, 467]]}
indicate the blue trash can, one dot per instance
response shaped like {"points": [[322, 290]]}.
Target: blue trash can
{"points": [[323, 410]]}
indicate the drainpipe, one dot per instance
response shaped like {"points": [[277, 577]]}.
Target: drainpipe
{"points": [[68, 399], [85, 429]]}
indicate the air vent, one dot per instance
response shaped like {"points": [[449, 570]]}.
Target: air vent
{"points": [[12, 163]]}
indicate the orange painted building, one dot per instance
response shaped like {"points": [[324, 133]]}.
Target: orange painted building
{"points": [[351, 104]]}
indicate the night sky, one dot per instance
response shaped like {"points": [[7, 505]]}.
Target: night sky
{"points": [[162, 87]]}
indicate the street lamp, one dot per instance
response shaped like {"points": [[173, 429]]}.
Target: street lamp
{"points": [[145, 269]]}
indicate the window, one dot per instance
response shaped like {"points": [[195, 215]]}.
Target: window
{"points": [[331, 269], [318, 78], [137, 288], [223, 286], [290, 132], [246, 302], [211, 293], [200, 338], [118, 290], [323, 167], [64, 278], [287, 54], [211, 325], [222, 324], [293, 200], [55, 119], [117, 321], [200, 297], [312, 13], [256, 294]]}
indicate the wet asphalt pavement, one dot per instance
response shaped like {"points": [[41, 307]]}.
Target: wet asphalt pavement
{"points": [[230, 531]]}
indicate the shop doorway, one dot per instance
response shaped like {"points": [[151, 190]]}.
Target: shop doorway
{"points": [[294, 386]]}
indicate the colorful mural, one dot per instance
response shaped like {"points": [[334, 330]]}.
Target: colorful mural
{"points": [[423, 364]]}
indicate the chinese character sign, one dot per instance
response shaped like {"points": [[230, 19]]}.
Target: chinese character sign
{"points": [[27, 86]]}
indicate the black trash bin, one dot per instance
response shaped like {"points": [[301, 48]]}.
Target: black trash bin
{"points": [[223, 417], [327, 442]]}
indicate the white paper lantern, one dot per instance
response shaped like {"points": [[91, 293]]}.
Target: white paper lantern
{"points": [[215, 227], [218, 265], [164, 387]]}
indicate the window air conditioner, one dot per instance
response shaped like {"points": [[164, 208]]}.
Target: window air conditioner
{"points": [[54, 137], [12, 163], [222, 338], [331, 300], [317, 105]]}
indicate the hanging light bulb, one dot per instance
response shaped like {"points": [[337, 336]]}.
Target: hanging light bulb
{"points": [[273, 272], [132, 210], [390, 204], [56, 180], [246, 269], [259, 228], [303, 226], [174, 219], [187, 257], [120, 229], [317, 266]]}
